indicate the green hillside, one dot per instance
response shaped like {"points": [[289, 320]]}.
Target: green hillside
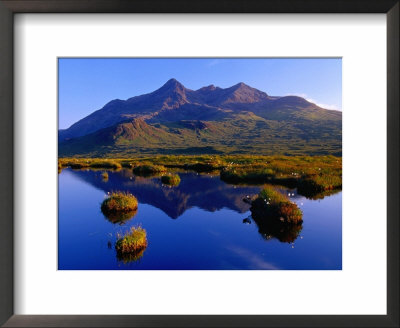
{"points": [[246, 134]]}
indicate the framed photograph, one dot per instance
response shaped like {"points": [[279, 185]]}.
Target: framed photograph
{"points": [[206, 177], [218, 164]]}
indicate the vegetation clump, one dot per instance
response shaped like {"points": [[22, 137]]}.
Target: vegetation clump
{"points": [[127, 164], [274, 206], [119, 202], [74, 163], [149, 169], [247, 174], [315, 184], [78, 165], [276, 216], [171, 179], [106, 164], [132, 242], [202, 167], [104, 176]]}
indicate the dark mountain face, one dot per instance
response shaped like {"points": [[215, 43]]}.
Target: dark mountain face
{"points": [[237, 112]]}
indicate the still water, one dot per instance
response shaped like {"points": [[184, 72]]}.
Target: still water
{"points": [[201, 224]]}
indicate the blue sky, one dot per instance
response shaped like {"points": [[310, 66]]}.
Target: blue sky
{"points": [[87, 84]]}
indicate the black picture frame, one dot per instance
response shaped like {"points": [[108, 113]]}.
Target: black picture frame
{"points": [[7, 201]]}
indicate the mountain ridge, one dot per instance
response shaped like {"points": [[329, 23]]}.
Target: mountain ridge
{"points": [[173, 95], [172, 115]]}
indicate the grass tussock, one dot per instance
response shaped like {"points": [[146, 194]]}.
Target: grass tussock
{"points": [[254, 174], [119, 202], [106, 164], [78, 166], [311, 185], [132, 242], [274, 206], [171, 179], [149, 169], [203, 167], [104, 176], [129, 164]]}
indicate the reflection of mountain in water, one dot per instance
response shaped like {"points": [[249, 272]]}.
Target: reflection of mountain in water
{"points": [[195, 190]]}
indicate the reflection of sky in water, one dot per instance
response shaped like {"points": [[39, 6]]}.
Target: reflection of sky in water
{"points": [[197, 225]]}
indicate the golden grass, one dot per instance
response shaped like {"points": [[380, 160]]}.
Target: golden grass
{"points": [[149, 169], [119, 202], [310, 174], [275, 206], [133, 241]]}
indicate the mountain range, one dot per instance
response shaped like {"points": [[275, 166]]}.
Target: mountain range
{"points": [[176, 120]]}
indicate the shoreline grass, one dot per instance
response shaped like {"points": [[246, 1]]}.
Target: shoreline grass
{"points": [[81, 163], [312, 175], [282, 164], [315, 184], [203, 167], [106, 164]]}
